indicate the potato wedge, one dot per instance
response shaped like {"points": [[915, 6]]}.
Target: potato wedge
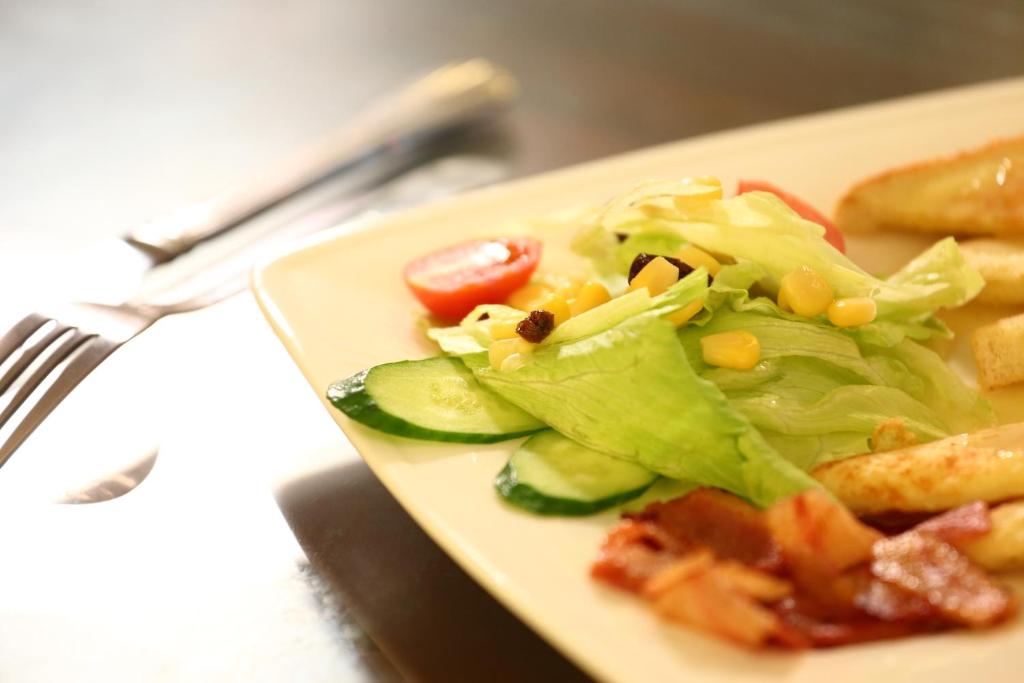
{"points": [[999, 352], [978, 192], [1001, 263], [987, 466], [1002, 548]]}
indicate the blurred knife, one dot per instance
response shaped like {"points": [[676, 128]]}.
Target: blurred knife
{"points": [[392, 133], [117, 467]]}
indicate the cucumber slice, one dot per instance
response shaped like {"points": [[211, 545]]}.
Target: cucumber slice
{"points": [[436, 399], [553, 475]]}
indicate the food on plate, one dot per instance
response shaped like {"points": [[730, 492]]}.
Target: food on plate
{"points": [[805, 210], [727, 345], [1002, 548], [978, 192], [646, 357], [435, 399], [552, 475], [892, 434], [998, 351], [802, 573], [986, 466], [1001, 263], [452, 281]]}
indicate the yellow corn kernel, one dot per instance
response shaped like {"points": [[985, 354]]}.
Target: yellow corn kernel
{"points": [[691, 309], [738, 350], [656, 276], [503, 330], [653, 210], [695, 257], [500, 350], [784, 302], [697, 191], [556, 306], [567, 289], [524, 347], [527, 297], [513, 362], [591, 295], [805, 292], [857, 310]]}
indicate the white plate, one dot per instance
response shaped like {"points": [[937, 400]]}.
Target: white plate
{"points": [[339, 305]]}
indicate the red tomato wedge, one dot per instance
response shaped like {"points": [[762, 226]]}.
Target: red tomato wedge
{"points": [[805, 210], [452, 281]]}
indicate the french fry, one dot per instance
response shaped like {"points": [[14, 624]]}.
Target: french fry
{"points": [[1001, 263], [999, 352], [1002, 548], [978, 192], [987, 466]]}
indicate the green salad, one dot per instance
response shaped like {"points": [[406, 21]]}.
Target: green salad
{"points": [[627, 391]]}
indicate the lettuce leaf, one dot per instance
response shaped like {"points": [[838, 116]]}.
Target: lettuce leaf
{"points": [[818, 394], [758, 227], [631, 392], [472, 334]]}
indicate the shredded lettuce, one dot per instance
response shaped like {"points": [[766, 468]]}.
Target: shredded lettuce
{"points": [[472, 334], [758, 227], [818, 394], [630, 392]]}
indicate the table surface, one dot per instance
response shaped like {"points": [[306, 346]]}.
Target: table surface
{"points": [[260, 547]]}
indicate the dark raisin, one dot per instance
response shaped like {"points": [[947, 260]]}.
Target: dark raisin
{"points": [[484, 316], [643, 259], [638, 264], [536, 326]]}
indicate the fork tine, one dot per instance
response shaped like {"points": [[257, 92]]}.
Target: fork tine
{"points": [[94, 353], [19, 334], [64, 350], [29, 355]]}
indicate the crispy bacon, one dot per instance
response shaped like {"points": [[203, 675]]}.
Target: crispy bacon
{"points": [[804, 573], [728, 526], [713, 596], [959, 525], [934, 570], [633, 552], [802, 629], [889, 602]]}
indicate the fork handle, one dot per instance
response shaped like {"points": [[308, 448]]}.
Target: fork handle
{"points": [[441, 101]]}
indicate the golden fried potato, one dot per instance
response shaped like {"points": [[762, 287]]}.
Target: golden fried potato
{"points": [[1002, 548], [1001, 263], [892, 434], [987, 465], [978, 192], [999, 352]]}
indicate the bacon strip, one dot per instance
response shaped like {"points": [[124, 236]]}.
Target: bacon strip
{"points": [[959, 525], [634, 552], [699, 591], [935, 571], [804, 573], [730, 527]]}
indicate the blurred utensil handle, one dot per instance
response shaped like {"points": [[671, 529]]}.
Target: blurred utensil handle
{"points": [[438, 103]]}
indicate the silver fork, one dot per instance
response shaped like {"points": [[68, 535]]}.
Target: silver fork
{"points": [[96, 331], [385, 136], [80, 336]]}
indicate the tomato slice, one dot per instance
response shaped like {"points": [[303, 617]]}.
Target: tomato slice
{"points": [[452, 281], [805, 210]]}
